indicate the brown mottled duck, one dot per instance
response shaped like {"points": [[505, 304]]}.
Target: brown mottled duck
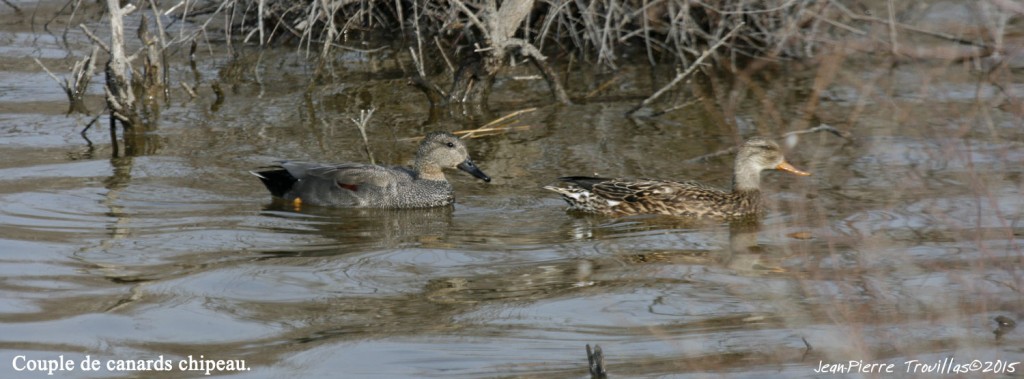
{"points": [[684, 198]]}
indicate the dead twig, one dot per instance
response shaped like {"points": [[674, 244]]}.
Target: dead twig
{"points": [[550, 76], [437, 42], [15, 7], [77, 84], [499, 26], [188, 89], [94, 38], [89, 125], [686, 73], [472, 17], [364, 119]]}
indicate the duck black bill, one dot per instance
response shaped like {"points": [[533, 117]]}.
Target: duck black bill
{"points": [[468, 166]]}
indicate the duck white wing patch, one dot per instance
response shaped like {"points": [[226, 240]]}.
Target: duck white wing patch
{"points": [[578, 196], [574, 193]]}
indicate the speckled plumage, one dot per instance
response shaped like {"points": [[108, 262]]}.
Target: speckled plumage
{"points": [[361, 185], [684, 198]]}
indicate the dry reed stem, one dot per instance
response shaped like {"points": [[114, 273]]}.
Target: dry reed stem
{"points": [[483, 132], [491, 127], [508, 116]]}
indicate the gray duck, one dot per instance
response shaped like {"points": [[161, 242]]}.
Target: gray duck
{"points": [[362, 185]]}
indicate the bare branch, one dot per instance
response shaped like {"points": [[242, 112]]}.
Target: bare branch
{"points": [[94, 38], [472, 17], [684, 74], [361, 123]]}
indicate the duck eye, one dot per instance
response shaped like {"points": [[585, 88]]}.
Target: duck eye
{"points": [[449, 144]]}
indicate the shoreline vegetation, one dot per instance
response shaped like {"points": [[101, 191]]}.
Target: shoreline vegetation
{"points": [[458, 47]]}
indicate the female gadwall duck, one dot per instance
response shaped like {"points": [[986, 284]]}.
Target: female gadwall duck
{"points": [[681, 198], [360, 185]]}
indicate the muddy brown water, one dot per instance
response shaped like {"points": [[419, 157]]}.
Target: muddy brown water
{"points": [[902, 248]]}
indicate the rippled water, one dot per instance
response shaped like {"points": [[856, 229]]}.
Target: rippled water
{"points": [[904, 245]]}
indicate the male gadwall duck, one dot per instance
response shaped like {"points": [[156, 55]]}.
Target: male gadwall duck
{"points": [[361, 185], [680, 198]]}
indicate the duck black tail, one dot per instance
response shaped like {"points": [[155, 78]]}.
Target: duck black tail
{"points": [[279, 181]]}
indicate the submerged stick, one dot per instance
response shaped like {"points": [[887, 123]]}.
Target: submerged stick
{"points": [[76, 86]]}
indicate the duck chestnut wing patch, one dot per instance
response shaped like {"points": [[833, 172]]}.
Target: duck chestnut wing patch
{"points": [[350, 187], [353, 176]]}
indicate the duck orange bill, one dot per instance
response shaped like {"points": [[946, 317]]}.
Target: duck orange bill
{"points": [[785, 166]]}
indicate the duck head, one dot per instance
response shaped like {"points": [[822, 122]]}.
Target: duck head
{"points": [[756, 155], [440, 150]]}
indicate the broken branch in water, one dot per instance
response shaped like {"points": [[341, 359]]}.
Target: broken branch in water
{"points": [[76, 86], [595, 363], [120, 97]]}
